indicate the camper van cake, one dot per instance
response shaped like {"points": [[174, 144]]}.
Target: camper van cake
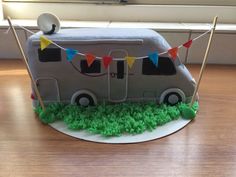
{"points": [[60, 80], [110, 82]]}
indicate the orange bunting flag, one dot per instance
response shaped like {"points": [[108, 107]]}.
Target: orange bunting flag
{"points": [[90, 58], [130, 61], [44, 42], [106, 61], [188, 44], [173, 52]]}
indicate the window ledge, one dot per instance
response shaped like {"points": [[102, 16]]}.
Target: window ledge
{"points": [[182, 27]]}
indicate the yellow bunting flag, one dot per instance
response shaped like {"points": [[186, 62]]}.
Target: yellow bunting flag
{"points": [[130, 61], [44, 42]]}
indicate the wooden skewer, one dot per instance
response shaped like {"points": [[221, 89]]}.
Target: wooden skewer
{"points": [[26, 63], [204, 62]]}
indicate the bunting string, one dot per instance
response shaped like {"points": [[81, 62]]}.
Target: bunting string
{"points": [[71, 53], [85, 74], [25, 29]]}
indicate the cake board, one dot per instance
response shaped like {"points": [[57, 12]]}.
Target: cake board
{"points": [[159, 132]]}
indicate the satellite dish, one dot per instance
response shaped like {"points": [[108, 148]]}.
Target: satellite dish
{"points": [[48, 23]]}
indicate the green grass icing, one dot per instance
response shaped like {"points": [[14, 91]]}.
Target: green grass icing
{"points": [[115, 119]]}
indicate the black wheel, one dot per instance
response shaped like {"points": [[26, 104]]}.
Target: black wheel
{"points": [[84, 100], [172, 98]]}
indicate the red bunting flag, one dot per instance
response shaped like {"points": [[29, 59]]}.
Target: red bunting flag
{"points": [[188, 44], [106, 61], [173, 52], [90, 58]]}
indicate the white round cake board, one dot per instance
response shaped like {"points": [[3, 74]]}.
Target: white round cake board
{"points": [[159, 132]]}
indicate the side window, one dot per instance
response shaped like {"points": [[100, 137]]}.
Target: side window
{"points": [[94, 68], [120, 69], [49, 55], [165, 67]]}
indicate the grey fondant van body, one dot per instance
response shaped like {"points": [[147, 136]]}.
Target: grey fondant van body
{"points": [[59, 80]]}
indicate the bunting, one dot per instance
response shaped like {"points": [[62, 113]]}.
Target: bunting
{"points": [[188, 44], [154, 58], [130, 61], [44, 42], [106, 61], [90, 59], [70, 53], [173, 52]]}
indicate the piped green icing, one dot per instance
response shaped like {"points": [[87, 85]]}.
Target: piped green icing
{"points": [[114, 119], [187, 112]]}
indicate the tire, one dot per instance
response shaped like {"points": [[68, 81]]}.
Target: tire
{"points": [[84, 98], [172, 96]]}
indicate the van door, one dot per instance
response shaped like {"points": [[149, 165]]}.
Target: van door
{"points": [[118, 76], [48, 89]]}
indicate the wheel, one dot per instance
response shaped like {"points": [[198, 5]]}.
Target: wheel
{"points": [[84, 98], [172, 96]]}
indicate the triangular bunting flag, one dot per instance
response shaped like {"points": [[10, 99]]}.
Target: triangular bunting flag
{"points": [[130, 61], [154, 58], [188, 44], [44, 42], [70, 53], [106, 61], [173, 52], [90, 58]]}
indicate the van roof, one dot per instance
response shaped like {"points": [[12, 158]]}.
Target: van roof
{"points": [[100, 33]]}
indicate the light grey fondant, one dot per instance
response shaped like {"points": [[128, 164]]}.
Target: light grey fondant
{"points": [[59, 81]]}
